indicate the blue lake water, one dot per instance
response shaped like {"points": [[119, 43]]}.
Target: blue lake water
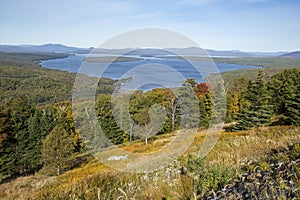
{"points": [[150, 71]]}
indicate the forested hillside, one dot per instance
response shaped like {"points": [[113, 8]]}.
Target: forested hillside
{"points": [[33, 101], [38, 134]]}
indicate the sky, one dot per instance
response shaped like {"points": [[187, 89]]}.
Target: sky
{"points": [[247, 25]]}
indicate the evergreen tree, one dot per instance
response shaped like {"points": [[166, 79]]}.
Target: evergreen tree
{"points": [[293, 107], [22, 109], [205, 104], [39, 126], [190, 82], [7, 144], [188, 107], [219, 103], [284, 88], [106, 119], [257, 110], [205, 109]]}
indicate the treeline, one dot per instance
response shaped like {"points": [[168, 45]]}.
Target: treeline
{"points": [[250, 104], [30, 57], [143, 103]]}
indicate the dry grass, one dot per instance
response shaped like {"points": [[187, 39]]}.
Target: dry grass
{"points": [[95, 179], [22, 187], [240, 147]]}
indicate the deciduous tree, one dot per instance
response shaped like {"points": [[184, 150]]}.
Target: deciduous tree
{"points": [[57, 150]]}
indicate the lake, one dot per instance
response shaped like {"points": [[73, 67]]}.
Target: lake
{"points": [[147, 73]]}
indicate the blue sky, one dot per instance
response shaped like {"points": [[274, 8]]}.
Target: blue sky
{"points": [[248, 25]]}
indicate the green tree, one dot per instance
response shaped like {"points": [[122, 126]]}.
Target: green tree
{"points": [[149, 124], [257, 110], [121, 113], [284, 89], [167, 99], [7, 144], [205, 110], [63, 117], [35, 138], [22, 109], [39, 126], [219, 103], [190, 82], [293, 107], [57, 150], [189, 107], [205, 104], [107, 122]]}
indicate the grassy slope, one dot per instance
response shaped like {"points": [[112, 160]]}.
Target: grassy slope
{"points": [[93, 179]]}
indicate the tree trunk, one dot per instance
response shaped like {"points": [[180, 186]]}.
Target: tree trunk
{"points": [[173, 123], [131, 131], [58, 170]]}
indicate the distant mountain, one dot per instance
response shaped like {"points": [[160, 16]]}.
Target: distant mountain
{"points": [[267, 54], [229, 53], [237, 53], [59, 48], [169, 51], [224, 53], [53, 48], [210, 52], [294, 54]]}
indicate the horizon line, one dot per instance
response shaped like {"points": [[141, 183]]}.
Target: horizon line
{"points": [[215, 49]]}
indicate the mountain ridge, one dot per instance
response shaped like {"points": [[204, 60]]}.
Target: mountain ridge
{"points": [[60, 48], [294, 54]]}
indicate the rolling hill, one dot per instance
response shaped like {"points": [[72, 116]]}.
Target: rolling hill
{"points": [[294, 54], [59, 48], [51, 48]]}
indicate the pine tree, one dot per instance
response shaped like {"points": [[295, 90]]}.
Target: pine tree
{"points": [[7, 144], [219, 103], [257, 111], [22, 109], [39, 126], [106, 120], [284, 88], [205, 104], [293, 108], [205, 109]]}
